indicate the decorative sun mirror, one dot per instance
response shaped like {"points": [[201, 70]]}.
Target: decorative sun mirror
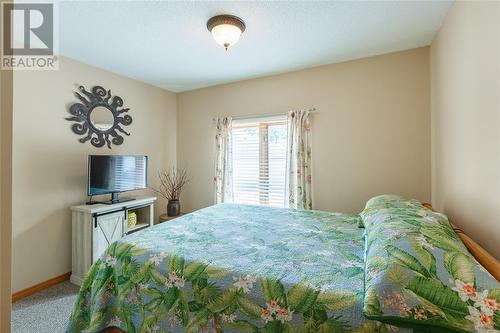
{"points": [[99, 117]]}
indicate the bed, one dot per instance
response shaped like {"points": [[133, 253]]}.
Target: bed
{"points": [[240, 268]]}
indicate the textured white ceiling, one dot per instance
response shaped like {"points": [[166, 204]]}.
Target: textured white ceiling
{"points": [[167, 43]]}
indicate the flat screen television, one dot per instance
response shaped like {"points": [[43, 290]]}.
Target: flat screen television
{"points": [[113, 174]]}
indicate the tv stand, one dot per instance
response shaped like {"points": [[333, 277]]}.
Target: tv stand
{"points": [[95, 227]]}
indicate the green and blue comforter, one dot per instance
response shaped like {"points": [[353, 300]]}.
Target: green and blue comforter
{"points": [[237, 268], [231, 268]]}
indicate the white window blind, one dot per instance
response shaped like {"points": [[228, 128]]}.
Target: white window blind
{"points": [[259, 161]]}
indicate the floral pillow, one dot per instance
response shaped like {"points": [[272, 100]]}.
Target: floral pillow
{"points": [[390, 201], [419, 274]]}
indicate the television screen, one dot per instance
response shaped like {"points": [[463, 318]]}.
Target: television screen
{"points": [[116, 173]]}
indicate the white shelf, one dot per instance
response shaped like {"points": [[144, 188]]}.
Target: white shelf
{"points": [[137, 227], [102, 208]]}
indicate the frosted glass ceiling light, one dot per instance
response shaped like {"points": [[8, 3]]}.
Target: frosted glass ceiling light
{"points": [[226, 29]]}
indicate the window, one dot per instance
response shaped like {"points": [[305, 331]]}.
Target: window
{"points": [[259, 161]]}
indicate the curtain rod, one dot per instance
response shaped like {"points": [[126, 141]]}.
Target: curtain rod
{"points": [[263, 115]]}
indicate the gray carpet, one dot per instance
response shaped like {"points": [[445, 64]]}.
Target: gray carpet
{"points": [[44, 312]]}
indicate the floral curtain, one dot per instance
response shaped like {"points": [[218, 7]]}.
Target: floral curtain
{"points": [[223, 161], [299, 160]]}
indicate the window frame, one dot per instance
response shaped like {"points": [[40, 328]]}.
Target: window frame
{"points": [[263, 125]]}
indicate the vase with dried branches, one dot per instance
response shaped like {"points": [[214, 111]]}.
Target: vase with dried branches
{"points": [[172, 181]]}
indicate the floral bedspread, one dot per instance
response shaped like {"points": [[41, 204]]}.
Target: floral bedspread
{"points": [[231, 268], [419, 273]]}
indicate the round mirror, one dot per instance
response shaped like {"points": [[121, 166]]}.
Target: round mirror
{"points": [[102, 118]]}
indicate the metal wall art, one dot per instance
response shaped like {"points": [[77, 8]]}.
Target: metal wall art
{"points": [[99, 117]]}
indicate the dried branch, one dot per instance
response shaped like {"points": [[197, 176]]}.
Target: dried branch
{"points": [[172, 182]]}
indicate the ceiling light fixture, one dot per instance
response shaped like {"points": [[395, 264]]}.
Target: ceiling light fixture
{"points": [[226, 29]]}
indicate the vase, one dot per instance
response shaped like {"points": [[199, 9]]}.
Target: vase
{"points": [[173, 207]]}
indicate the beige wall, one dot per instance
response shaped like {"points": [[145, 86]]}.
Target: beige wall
{"points": [[5, 198], [465, 93], [371, 135], [50, 164]]}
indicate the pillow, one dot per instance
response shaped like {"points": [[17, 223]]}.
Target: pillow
{"points": [[390, 201], [419, 274]]}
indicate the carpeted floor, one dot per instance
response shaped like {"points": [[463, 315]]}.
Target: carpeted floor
{"points": [[44, 312]]}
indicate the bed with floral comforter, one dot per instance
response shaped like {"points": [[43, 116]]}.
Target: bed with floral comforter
{"points": [[236, 268], [231, 268]]}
